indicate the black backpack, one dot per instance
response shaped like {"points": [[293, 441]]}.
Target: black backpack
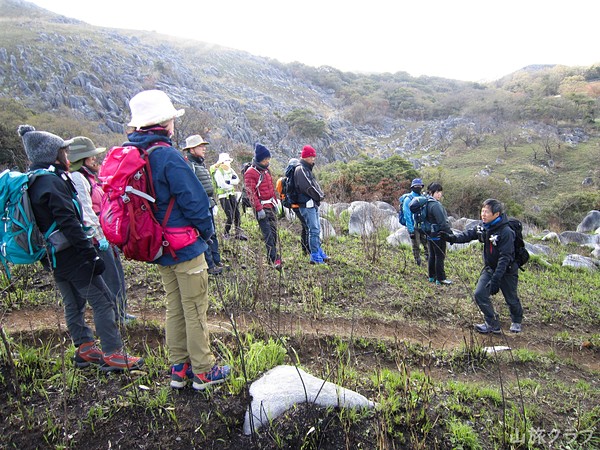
{"points": [[288, 191], [521, 253], [244, 200], [418, 207]]}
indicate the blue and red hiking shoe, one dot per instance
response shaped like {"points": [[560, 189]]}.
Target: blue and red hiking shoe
{"points": [[119, 361], [180, 374], [86, 354], [216, 375]]}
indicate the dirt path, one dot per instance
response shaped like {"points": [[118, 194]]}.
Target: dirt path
{"points": [[435, 337]]}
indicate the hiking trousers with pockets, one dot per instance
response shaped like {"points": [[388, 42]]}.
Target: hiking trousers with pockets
{"points": [[186, 327]]}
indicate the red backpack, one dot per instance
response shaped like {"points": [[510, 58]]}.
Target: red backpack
{"points": [[127, 215]]}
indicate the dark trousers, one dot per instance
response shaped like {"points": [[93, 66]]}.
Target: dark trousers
{"points": [[114, 278], [230, 206], [304, 235], [78, 288], [508, 287], [268, 227], [420, 238], [437, 258]]}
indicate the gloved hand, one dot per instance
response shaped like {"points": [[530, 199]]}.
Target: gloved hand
{"points": [[95, 266], [412, 235], [494, 286], [448, 237], [260, 215], [103, 244]]}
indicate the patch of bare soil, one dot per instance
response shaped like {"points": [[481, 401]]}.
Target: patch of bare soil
{"points": [[436, 337]]}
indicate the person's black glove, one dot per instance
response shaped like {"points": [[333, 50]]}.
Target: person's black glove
{"points": [[448, 237], [95, 266], [412, 235], [494, 286]]}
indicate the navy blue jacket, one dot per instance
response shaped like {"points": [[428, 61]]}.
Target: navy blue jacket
{"points": [[498, 244], [172, 177]]}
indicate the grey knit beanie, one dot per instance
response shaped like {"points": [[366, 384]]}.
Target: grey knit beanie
{"points": [[41, 147]]}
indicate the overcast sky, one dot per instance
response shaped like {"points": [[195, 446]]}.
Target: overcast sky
{"points": [[471, 40]]}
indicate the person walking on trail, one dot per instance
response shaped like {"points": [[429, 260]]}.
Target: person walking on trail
{"points": [[77, 267], [500, 271], [184, 276], [438, 218], [295, 207], [195, 153], [310, 196], [261, 193], [83, 169], [226, 179], [417, 235]]}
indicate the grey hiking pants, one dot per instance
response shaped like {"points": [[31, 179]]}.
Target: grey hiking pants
{"points": [[508, 287]]}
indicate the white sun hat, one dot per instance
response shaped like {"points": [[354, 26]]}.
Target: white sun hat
{"points": [[152, 107], [224, 158]]}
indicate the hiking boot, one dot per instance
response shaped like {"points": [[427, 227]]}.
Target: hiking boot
{"points": [[446, 282], [120, 360], [315, 258], [180, 374], [240, 236], [216, 375], [431, 279], [484, 328], [86, 354], [515, 327], [277, 264], [215, 270]]}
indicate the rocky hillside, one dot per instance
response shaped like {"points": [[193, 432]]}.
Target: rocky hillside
{"points": [[50, 63]]}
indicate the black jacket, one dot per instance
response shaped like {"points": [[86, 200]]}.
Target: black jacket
{"points": [[498, 244], [203, 174], [52, 200], [437, 217], [306, 184]]}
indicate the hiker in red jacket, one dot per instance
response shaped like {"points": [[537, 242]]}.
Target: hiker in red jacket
{"points": [[261, 192]]}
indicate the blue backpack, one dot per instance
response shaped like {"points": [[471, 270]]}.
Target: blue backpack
{"points": [[401, 200], [21, 241]]}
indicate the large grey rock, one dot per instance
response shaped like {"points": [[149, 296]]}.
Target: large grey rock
{"points": [[338, 208], [385, 206], [284, 386], [538, 249], [366, 218], [400, 236], [580, 261], [590, 222], [327, 230], [568, 237]]}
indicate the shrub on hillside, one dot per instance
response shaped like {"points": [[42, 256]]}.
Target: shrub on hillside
{"points": [[368, 179], [568, 210], [464, 198]]}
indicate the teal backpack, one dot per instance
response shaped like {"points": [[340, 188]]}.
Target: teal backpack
{"points": [[21, 241]]}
